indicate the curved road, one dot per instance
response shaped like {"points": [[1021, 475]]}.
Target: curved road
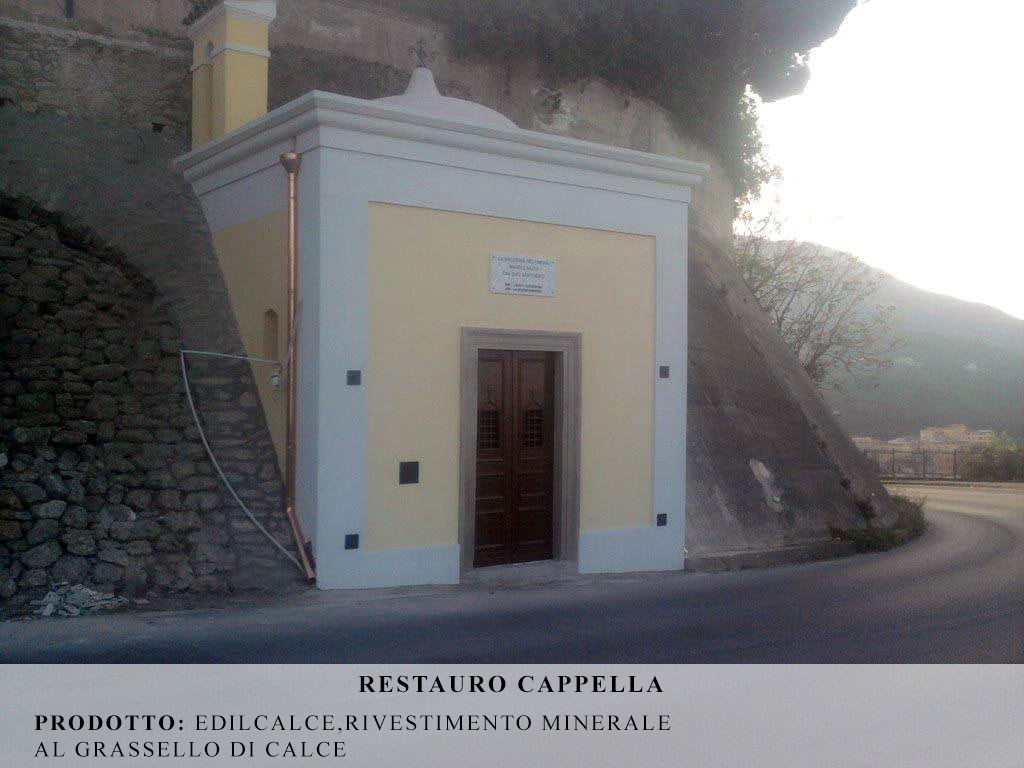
{"points": [[954, 595]]}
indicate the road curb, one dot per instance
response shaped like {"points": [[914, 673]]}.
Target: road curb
{"points": [[737, 561]]}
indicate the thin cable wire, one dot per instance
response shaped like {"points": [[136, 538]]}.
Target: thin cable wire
{"points": [[233, 357], [213, 459]]}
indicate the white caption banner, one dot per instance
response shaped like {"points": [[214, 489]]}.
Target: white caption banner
{"points": [[793, 716]]}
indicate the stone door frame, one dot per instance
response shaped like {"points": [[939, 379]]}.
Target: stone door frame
{"points": [[567, 374]]}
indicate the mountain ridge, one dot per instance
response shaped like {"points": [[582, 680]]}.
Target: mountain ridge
{"points": [[960, 362]]}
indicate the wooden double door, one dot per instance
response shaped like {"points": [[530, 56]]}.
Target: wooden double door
{"points": [[514, 507]]}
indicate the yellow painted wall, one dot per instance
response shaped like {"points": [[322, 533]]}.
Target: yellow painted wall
{"points": [[237, 90], [202, 105], [219, 80], [429, 277], [245, 90], [252, 256], [253, 33]]}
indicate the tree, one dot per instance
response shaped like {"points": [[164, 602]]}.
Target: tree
{"points": [[1001, 459], [819, 302]]}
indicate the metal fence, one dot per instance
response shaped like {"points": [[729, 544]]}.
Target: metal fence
{"points": [[939, 464], [921, 464]]}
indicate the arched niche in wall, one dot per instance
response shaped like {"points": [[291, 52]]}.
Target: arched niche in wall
{"points": [[271, 327]]}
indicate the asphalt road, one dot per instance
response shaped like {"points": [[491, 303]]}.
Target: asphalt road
{"points": [[954, 595]]}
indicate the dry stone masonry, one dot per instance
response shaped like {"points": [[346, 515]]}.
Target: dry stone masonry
{"points": [[103, 479]]}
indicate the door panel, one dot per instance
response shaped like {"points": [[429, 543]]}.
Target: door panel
{"points": [[493, 448], [532, 457], [515, 457]]}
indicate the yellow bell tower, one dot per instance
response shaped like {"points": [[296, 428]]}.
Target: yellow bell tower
{"points": [[230, 53]]}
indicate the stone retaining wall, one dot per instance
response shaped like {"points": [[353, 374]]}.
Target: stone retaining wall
{"points": [[103, 479], [90, 117]]}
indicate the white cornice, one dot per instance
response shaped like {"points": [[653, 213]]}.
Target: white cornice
{"points": [[318, 109], [261, 52], [263, 10]]}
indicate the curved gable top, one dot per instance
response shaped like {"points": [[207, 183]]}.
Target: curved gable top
{"points": [[422, 97]]}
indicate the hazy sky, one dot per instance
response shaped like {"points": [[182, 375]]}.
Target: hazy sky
{"points": [[906, 146]]}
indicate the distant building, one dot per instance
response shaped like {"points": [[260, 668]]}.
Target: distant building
{"points": [[903, 440], [864, 443], [981, 436], [956, 436], [954, 433], [951, 437]]}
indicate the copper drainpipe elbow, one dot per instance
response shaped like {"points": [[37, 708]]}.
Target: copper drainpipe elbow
{"points": [[291, 162]]}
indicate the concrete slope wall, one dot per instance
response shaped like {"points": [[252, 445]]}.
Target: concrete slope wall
{"points": [[768, 467]]}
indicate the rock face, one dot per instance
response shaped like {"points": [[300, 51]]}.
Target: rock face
{"points": [[104, 480]]}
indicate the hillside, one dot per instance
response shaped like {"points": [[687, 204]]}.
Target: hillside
{"points": [[961, 362]]}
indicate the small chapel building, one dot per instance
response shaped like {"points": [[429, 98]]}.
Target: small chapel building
{"points": [[491, 328]]}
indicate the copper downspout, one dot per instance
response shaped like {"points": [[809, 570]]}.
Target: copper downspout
{"points": [[291, 162]]}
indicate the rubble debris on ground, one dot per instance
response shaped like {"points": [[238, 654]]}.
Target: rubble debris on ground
{"points": [[71, 600]]}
